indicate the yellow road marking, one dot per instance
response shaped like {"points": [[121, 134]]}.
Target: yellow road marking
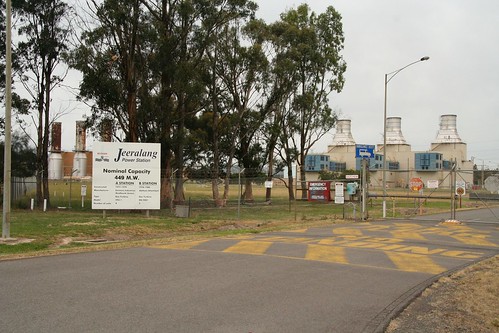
{"points": [[407, 235], [180, 246], [414, 263], [249, 247], [298, 231], [326, 253], [348, 231], [472, 239]]}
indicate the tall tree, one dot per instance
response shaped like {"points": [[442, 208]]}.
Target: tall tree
{"points": [[23, 156], [112, 57], [241, 67], [44, 29], [186, 30], [310, 46]]}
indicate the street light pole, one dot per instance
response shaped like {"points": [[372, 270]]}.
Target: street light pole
{"points": [[7, 165], [388, 78]]}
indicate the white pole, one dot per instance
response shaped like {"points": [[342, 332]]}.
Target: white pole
{"points": [[8, 112], [388, 77], [32, 203], [239, 195], [44, 205]]}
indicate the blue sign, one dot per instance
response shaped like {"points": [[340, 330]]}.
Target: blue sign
{"points": [[364, 151]]}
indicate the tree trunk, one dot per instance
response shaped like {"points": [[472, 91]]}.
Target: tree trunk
{"points": [[270, 173], [290, 182]]}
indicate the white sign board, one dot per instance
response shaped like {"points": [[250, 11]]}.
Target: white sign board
{"points": [[83, 190], [432, 184], [339, 196], [126, 175]]}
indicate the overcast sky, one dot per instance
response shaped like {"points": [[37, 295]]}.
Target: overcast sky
{"points": [[461, 37]]}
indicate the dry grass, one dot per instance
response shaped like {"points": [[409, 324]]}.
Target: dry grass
{"points": [[467, 301]]}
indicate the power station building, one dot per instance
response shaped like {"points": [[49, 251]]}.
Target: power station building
{"points": [[402, 163], [75, 164]]}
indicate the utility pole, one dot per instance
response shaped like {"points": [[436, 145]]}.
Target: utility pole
{"points": [[7, 171]]}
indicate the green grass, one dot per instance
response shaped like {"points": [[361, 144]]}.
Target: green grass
{"points": [[60, 228]]}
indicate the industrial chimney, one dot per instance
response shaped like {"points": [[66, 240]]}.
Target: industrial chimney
{"points": [[343, 135], [448, 130], [55, 167], [394, 134], [80, 158]]}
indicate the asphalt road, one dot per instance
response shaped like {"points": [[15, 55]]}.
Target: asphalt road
{"points": [[343, 278]]}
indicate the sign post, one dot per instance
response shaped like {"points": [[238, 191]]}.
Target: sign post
{"points": [[460, 190], [416, 184], [83, 195], [365, 152]]}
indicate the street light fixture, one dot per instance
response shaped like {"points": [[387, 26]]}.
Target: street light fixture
{"points": [[388, 78]]}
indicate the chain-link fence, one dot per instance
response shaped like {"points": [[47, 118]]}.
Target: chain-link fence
{"points": [[256, 199]]}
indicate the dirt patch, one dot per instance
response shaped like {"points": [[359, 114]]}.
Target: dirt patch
{"points": [[467, 301], [15, 241]]}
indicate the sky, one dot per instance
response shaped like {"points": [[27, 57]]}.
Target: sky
{"points": [[461, 37]]}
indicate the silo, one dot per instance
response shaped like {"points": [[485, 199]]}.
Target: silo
{"points": [[342, 150], [394, 134], [55, 159], [343, 135], [448, 130], [80, 158], [449, 143]]}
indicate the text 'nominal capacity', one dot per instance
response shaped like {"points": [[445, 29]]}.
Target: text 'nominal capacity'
{"points": [[131, 171]]}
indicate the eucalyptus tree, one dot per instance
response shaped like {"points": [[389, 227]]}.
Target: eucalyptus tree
{"points": [[44, 27], [240, 66], [113, 58], [23, 156], [308, 50], [186, 29]]}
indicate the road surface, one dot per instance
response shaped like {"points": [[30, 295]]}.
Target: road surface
{"points": [[342, 278]]}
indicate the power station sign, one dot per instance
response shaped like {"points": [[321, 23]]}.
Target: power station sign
{"points": [[126, 175]]}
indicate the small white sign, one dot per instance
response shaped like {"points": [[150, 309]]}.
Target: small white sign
{"points": [[83, 190], [432, 184], [339, 200], [352, 176], [339, 188], [268, 184], [339, 196]]}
